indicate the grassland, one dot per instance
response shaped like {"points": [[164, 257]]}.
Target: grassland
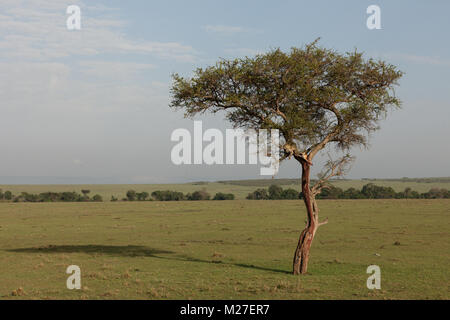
{"points": [[223, 250], [241, 188]]}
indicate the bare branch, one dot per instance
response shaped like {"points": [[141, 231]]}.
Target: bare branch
{"points": [[323, 222], [334, 168]]}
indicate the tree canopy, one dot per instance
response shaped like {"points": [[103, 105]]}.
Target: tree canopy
{"points": [[313, 95]]}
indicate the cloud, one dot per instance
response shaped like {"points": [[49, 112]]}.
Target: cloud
{"points": [[91, 101], [49, 71], [113, 69], [36, 30]]}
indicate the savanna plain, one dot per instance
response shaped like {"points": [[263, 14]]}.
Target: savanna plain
{"points": [[237, 249]]}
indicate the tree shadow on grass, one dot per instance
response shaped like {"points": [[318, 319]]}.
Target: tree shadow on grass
{"points": [[132, 251], [124, 251]]}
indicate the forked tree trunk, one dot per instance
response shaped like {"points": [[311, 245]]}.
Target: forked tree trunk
{"points": [[301, 256]]}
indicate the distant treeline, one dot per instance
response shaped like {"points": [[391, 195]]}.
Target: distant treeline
{"points": [[418, 180], [286, 182], [50, 197], [274, 192], [368, 191], [167, 195]]}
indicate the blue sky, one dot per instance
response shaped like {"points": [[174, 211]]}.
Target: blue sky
{"points": [[93, 102]]}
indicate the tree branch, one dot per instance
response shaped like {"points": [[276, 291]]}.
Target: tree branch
{"points": [[323, 222], [335, 168]]}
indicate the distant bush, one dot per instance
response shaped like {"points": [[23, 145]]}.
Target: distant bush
{"points": [[97, 198], [258, 194], [8, 195], [85, 194], [131, 195], [290, 194], [352, 193], [372, 191], [436, 193], [167, 195], [368, 191], [223, 196], [51, 197], [142, 196], [330, 192], [275, 192], [198, 195]]}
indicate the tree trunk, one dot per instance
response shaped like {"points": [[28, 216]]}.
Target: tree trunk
{"points": [[301, 256]]}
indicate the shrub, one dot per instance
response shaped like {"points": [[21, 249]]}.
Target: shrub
{"points": [[223, 196], [85, 192], [258, 194], [70, 197], [8, 195], [330, 192], [167, 195], [199, 195], [352, 193], [97, 198], [142, 196], [371, 191], [131, 195], [275, 192], [436, 193], [290, 194]]}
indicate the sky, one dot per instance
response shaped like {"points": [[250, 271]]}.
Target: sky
{"points": [[91, 105]]}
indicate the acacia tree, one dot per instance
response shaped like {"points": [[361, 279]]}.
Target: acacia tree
{"points": [[314, 96]]}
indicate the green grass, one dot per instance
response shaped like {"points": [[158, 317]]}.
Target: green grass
{"points": [[240, 188], [223, 250]]}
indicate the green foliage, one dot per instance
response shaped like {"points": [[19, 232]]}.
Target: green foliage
{"points": [[8, 195], [97, 198], [167, 195], [142, 196], [371, 191], [258, 194], [436, 193], [70, 196], [352, 193], [223, 196], [198, 195], [290, 194], [368, 191], [331, 192], [313, 95], [51, 197], [131, 195], [275, 192]]}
